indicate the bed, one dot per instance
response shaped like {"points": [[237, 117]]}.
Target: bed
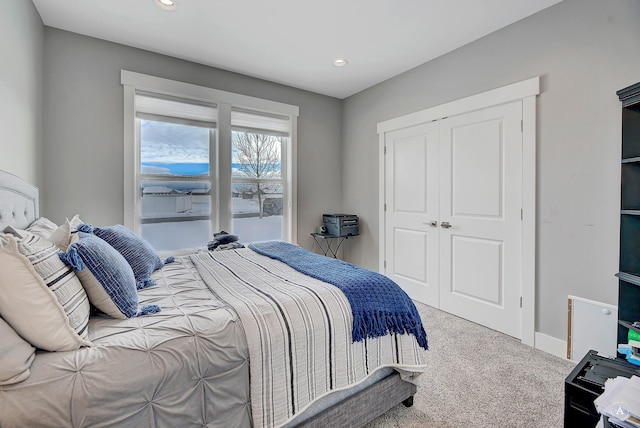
{"points": [[241, 339]]}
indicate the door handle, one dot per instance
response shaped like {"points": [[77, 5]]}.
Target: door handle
{"points": [[433, 223], [445, 225]]}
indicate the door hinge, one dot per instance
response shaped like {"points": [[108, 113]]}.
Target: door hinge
{"points": [[521, 214], [521, 125], [385, 150], [520, 301], [385, 264], [385, 207]]}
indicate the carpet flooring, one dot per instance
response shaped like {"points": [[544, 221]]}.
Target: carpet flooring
{"points": [[481, 378]]}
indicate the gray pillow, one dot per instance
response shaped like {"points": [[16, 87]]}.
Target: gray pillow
{"points": [[16, 356]]}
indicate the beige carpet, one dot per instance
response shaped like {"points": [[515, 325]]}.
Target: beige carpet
{"points": [[481, 378]]}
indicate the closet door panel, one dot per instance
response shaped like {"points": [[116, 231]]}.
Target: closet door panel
{"points": [[484, 281], [477, 170], [411, 248], [411, 187], [480, 207]]}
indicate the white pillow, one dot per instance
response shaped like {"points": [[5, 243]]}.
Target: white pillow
{"points": [[75, 221], [16, 356], [64, 236], [42, 227], [41, 297]]}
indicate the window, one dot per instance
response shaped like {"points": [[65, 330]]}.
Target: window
{"points": [[176, 141], [199, 160], [258, 142]]}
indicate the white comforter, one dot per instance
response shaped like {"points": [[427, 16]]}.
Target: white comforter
{"points": [[299, 334]]}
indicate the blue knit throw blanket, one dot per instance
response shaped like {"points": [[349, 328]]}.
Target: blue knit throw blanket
{"points": [[378, 304]]}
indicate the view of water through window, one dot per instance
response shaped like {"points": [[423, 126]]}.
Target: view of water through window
{"points": [[176, 207]]}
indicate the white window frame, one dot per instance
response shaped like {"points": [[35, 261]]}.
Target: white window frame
{"points": [[224, 100]]}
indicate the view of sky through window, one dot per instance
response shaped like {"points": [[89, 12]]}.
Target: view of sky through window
{"points": [[183, 207], [169, 148]]}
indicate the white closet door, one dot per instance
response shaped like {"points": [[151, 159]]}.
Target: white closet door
{"points": [[481, 200], [411, 181]]}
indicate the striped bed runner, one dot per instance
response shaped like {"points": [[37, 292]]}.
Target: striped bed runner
{"points": [[299, 333]]}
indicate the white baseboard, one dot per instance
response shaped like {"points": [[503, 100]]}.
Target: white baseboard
{"points": [[550, 344]]}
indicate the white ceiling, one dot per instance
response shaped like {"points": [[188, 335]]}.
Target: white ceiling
{"points": [[294, 42]]}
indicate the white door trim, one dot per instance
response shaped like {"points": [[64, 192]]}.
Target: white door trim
{"points": [[505, 94], [526, 91], [529, 219]]}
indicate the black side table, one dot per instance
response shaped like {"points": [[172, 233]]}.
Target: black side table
{"points": [[329, 242], [586, 383]]}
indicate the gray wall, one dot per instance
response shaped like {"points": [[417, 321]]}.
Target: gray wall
{"points": [[83, 128], [584, 50], [21, 47]]}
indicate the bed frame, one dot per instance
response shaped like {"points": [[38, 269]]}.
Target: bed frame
{"points": [[366, 405], [19, 204], [19, 207]]}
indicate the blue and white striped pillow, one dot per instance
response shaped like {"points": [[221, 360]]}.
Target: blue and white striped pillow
{"points": [[140, 255], [105, 275]]}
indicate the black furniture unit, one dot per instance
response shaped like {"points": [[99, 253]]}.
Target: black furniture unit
{"points": [[586, 382], [629, 275]]}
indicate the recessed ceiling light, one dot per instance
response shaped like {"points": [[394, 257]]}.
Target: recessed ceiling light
{"points": [[340, 62], [166, 4]]}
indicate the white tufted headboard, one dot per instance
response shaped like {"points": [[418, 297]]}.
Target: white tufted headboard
{"points": [[19, 205]]}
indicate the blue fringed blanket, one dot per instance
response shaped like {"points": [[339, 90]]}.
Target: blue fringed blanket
{"points": [[378, 304]]}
